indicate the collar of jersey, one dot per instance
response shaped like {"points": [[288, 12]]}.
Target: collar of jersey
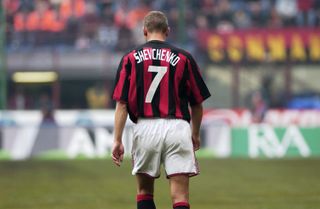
{"points": [[156, 41]]}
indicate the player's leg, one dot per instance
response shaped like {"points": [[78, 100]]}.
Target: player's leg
{"points": [[146, 157], [179, 188], [179, 162], [145, 190]]}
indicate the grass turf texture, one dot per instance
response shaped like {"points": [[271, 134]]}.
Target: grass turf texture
{"points": [[98, 184]]}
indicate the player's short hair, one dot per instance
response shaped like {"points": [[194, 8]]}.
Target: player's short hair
{"points": [[156, 21]]}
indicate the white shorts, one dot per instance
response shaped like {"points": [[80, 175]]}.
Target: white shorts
{"points": [[163, 141]]}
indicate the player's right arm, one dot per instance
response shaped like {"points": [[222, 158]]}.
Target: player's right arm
{"points": [[120, 119], [120, 94]]}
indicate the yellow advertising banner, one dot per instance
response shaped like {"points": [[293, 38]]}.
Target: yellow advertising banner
{"points": [[262, 45]]}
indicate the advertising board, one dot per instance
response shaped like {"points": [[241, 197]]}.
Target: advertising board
{"points": [[225, 133]]}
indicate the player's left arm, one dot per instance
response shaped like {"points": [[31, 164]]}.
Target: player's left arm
{"points": [[196, 87], [196, 118], [120, 119], [197, 93]]}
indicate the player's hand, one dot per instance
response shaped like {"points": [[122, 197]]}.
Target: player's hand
{"points": [[117, 153], [196, 142]]}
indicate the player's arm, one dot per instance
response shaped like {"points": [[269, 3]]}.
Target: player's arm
{"points": [[198, 92], [196, 118], [120, 118]]}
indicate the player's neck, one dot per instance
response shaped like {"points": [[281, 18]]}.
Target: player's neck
{"points": [[156, 37]]}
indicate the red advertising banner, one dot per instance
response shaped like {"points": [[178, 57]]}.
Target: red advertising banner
{"points": [[258, 45]]}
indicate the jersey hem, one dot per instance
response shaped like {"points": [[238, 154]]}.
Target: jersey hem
{"points": [[119, 100], [150, 118]]}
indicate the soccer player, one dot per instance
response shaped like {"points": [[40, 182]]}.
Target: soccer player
{"points": [[156, 83]]}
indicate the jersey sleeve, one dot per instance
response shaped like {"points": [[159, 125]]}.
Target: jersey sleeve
{"points": [[121, 86], [197, 89]]}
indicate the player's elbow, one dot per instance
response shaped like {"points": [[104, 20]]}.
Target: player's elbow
{"points": [[197, 108]]}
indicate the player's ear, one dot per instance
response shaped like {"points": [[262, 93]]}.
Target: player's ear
{"points": [[145, 32], [168, 31]]}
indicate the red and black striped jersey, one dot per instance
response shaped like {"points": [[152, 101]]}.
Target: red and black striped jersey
{"points": [[158, 80]]}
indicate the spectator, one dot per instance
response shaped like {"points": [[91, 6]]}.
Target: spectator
{"points": [[306, 14], [125, 39], [72, 8], [258, 17], [42, 22], [241, 20], [275, 20], [317, 12], [11, 7], [258, 107], [47, 109], [202, 22], [287, 9], [224, 16], [19, 34], [130, 19], [121, 14], [136, 16], [107, 34], [18, 101], [89, 26], [20, 21]]}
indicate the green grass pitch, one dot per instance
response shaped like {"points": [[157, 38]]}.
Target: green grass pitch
{"points": [[222, 184]]}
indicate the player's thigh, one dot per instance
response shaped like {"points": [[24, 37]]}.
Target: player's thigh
{"points": [[178, 154], [146, 150], [179, 136]]}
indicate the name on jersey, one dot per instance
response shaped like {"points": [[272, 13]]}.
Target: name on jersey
{"points": [[156, 54]]}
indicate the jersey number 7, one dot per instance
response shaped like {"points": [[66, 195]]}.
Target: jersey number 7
{"points": [[161, 71]]}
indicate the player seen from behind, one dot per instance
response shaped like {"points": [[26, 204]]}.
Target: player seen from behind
{"points": [[156, 83]]}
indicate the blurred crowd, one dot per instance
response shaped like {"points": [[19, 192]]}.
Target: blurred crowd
{"points": [[116, 25]]}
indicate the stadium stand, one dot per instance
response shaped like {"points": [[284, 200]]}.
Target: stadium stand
{"points": [[90, 30], [109, 23]]}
